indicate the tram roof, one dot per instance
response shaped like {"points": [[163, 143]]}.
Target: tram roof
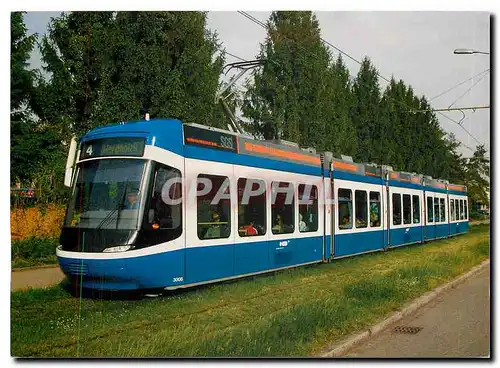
{"points": [[180, 134]]}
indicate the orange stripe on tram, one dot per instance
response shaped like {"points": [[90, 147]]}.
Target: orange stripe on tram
{"points": [[343, 165], [257, 148]]}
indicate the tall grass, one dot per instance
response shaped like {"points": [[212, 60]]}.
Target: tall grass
{"points": [[290, 313]]}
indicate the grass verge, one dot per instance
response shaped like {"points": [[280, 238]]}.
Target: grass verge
{"points": [[34, 252], [291, 313]]}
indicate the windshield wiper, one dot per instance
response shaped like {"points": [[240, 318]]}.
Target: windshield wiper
{"points": [[119, 207]]}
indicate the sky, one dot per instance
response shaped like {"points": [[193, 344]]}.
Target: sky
{"points": [[414, 46]]}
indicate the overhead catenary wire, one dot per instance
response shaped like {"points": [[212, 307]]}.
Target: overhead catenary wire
{"points": [[468, 90], [233, 55], [252, 18], [260, 23], [352, 77], [458, 108], [458, 85], [460, 125]]}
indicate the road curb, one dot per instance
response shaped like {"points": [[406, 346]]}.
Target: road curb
{"points": [[31, 268], [341, 348]]}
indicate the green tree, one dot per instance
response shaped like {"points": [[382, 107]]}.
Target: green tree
{"points": [[103, 67], [106, 67], [23, 158], [365, 111], [36, 149], [340, 132], [386, 151], [288, 95], [477, 174], [454, 170], [21, 78], [411, 138], [164, 62], [73, 52]]}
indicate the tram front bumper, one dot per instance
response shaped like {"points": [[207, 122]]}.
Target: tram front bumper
{"points": [[99, 274]]}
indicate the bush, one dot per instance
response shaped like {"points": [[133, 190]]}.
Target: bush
{"points": [[34, 248], [477, 216], [36, 222]]}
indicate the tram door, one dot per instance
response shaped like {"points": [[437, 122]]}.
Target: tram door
{"points": [[430, 227], [209, 221]]}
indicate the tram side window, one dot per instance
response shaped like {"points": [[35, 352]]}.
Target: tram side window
{"points": [[251, 207], [361, 209], [457, 209], [442, 210], [465, 210], [165, 208], [345, 209], [430, 210], [452, 210], [396, 208], [406, 209], [416, 209], [436, 209], [461, 209], [282, 208], [213, 207], [374, 209], [308, 208]]}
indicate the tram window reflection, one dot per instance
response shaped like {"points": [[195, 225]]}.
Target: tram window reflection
{"points": [[251, 207], [416, 209], [282, 208], [406, 209], [165, 209], [214, 207], [442, 210], [430, 210], [396, 209], [361, 204], [374, 209], [345, 209], [308, 208]]}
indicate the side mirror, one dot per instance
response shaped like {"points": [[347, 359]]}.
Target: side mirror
{"points": [[69, 163]]}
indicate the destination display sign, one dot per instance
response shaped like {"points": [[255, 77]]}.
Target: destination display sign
{"points": [[113, 147], [209, 138]]}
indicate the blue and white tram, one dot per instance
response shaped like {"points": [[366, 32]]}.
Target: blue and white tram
{"points": [[360, 226], [459, 213], [161, 204]]}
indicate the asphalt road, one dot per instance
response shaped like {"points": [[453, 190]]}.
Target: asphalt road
{"points": [[35, 278], [455, 324]]}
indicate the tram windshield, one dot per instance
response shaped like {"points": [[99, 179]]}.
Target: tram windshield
{"points": [[107, 194]]}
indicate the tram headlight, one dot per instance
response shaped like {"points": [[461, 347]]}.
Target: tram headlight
{"points": [[121, 248]]}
